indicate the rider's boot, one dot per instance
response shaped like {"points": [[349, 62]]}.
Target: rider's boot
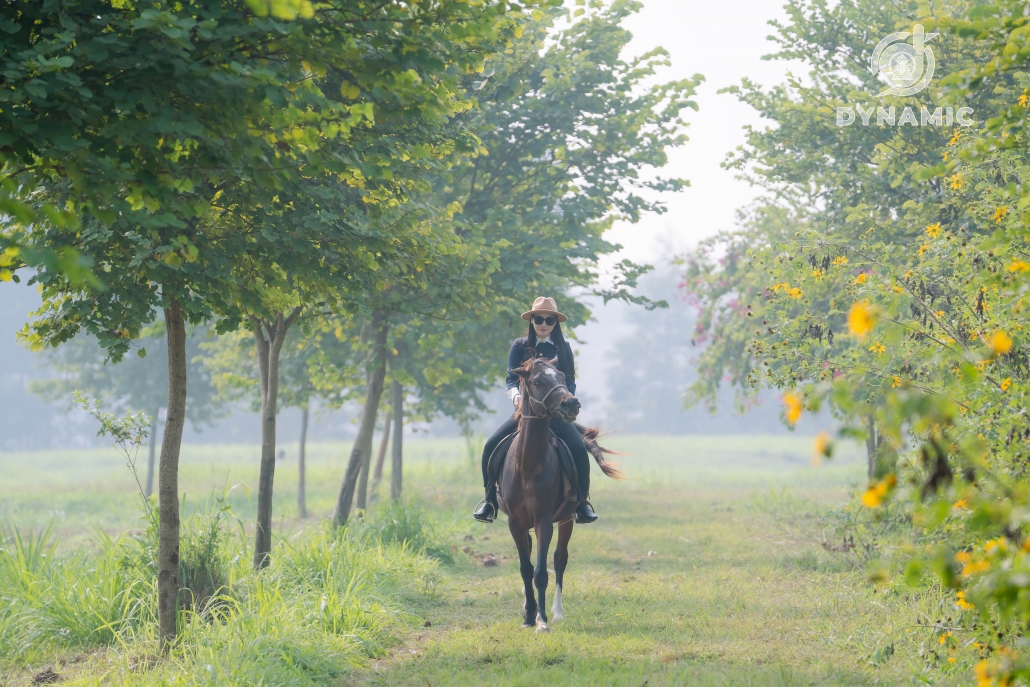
{"points": [[487, 510], [585, 513]]}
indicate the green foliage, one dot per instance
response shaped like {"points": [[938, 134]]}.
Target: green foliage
{"points": [[138, 382], [321, 607], [888, 279]]}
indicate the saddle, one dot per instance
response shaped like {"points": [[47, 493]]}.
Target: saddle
{"points": [[567, 466]]}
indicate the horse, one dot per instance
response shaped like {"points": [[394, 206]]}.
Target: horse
{"points": [[531, 493]]}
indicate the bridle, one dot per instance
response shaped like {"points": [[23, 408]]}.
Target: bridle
{"points": [[542, 402]]}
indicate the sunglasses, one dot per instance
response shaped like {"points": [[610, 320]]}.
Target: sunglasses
{"points": [[549, 321]]}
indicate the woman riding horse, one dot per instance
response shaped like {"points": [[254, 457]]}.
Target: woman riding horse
{"points": [[545, 337]]}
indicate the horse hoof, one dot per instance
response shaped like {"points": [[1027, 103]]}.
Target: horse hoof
{"points": [[542, 627], [528, 626]]}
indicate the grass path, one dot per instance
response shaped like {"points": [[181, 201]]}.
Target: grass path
{"points": [[671, 587]]}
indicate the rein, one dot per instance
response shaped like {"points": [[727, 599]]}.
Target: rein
{"points": [[541, 402]]}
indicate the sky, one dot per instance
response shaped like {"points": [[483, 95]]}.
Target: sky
{"points": [[725, 42]]}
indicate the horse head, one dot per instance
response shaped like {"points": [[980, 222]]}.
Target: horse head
{"points": [[545, 390]]}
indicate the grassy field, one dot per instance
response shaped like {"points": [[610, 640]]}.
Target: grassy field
{"points": [[707, 568]]}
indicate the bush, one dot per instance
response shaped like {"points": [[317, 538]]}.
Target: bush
{"points": [[327, 602]]}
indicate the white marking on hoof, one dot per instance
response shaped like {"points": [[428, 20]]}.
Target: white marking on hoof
{"points": [[542, 627], [557, 612]]}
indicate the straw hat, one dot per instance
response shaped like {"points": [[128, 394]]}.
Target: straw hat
{"points": [[544, 306]]}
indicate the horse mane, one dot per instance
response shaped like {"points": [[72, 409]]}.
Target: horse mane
{"points": [[590, 434]]}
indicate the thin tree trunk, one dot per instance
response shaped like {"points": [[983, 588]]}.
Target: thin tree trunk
{"points": [[168, 477], [363, 442], [873, 447], [301, 503], [396, 472], [269, 338], [366, 467], [151, 450], [377, 474]]}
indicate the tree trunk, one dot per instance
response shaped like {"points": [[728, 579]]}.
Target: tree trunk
{"points": [[874, 449], [366, 467], [398, 437], [151, 450], [363, 442], [269, 337], [301, 502], [168, 477], [377, 475]]}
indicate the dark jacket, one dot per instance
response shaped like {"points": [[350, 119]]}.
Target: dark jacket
{"points": [[518, 355]]}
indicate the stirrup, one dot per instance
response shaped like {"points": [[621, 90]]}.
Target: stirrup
{"points": [[482, 515]]}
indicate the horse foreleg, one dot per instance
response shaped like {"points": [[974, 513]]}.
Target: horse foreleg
{"points": [[561, 559], [544, 531], [524, 543]]}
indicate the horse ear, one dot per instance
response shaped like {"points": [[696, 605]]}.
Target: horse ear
{"points": [[520, 371], [554, 361]]}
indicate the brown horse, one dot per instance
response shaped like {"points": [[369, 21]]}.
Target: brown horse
{"points": [[532, 494]]}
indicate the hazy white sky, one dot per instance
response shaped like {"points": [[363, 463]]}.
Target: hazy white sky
{"points": [[724, 41]]}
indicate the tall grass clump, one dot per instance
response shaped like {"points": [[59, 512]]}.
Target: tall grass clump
{"points": [[330, 600], [406, 522]]}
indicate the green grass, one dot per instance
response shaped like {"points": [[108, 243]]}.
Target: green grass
{"points": [[705, 569]]}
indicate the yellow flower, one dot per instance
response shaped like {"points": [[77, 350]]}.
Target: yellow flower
{"points": [[923, 248], [955, 137], [961, 504], [794, 405], [860, 279], [934, 230], [1024, 99], [861, 318], [944, 157], [840, 261], [875, 494], [1000, 343], [877, 348], [795, 293], [960, 601], [897, 289], [822, 446], [999, 214], [983, 675], [1019, 266], [956, 182], [1006, 383], [895, 382], [817, 273], [994, 545]]}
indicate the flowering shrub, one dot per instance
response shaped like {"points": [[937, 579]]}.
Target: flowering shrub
{"points": [[888, 277]]}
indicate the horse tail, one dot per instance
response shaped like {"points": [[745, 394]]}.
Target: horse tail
{"points": [[590, 437]]}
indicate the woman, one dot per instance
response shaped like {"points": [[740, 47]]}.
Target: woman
{"points": [[545, 336]]}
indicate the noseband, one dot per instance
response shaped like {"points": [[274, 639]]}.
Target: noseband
{"points": [[542, 402]]}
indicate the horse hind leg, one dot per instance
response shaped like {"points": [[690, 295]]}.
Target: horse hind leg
{"points": [[544, 531], [561, 559]]}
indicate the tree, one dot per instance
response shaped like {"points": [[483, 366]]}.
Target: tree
{"points": [[209, 96], [569, 136], [137, 383], [908, 244]]}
